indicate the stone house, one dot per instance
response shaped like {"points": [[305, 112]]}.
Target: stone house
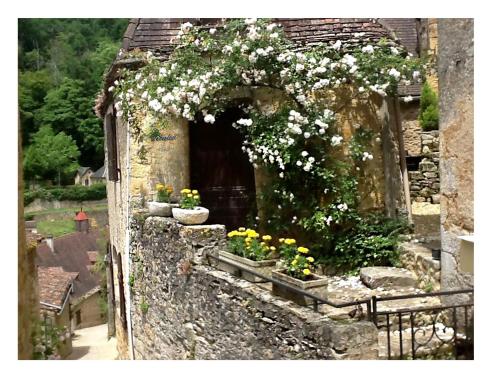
{"points": [[181, 159], [86, 176], [56, 286], [76, 253], [83, 176]]}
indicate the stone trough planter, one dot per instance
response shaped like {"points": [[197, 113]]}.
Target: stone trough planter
{"points": [[262, 266], [317, 286], [197, 215], [160, 208]]}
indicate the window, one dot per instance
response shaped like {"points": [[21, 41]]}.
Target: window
{"points": [[86, 182], [111, 144], [412, 163], [123, 314]]}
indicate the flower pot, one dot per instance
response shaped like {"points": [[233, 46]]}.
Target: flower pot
{"points": [[160, 208], [317, 285], [262, 266], [197, 215]]}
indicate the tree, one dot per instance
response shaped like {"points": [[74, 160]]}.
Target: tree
{"points": [[429, 111], [50, 156]]}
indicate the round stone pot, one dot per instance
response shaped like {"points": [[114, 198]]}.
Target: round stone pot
{"points": [[160, 208], [197, 215]]}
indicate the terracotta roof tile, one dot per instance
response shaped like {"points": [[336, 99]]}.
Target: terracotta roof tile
{"points": [[53, 283], [71, 253]]}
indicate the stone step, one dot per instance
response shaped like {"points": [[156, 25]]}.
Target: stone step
{"points": [[387, 277]]}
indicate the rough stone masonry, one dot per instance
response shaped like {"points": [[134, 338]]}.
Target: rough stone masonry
{"points": [[183, 308]]}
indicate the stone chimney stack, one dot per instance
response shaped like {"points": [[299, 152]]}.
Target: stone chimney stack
{"points": [[50, 242]]}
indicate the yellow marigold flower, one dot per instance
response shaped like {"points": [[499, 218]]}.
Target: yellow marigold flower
{"points": [[169, 188], [194, 191], [248, 239], [231, 234], [303, 250], [263, 243], [251, 233], [290, 241], [267, 237], [241, 229], [190, 195], [196, 197], [159, 186], [310, 259], [185, 191], [297, 256], [306, 271], [281, 240], [273, 248], [294, 262]]}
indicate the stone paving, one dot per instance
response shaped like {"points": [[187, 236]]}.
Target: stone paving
{"points": [[93, 343]]}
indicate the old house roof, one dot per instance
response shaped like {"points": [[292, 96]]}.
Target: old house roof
{"points": [[54, 285], [100, 173], [158, 36], [71, 254], [82, 170]]}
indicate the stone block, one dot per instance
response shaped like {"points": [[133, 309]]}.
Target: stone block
{"points": [[375, 277], [428, 166], [436, 198]]}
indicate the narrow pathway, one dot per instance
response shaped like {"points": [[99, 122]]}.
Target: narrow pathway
{"points": [[93, 343]]}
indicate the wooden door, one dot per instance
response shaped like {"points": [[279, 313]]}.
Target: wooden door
{"points": [[221, 172]]}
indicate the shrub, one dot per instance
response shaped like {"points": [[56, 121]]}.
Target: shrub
{"points": [[372, 241], [429, 110], [71, 193]]}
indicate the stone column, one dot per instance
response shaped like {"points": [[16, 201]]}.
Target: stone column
{"points": [[456, 111]]}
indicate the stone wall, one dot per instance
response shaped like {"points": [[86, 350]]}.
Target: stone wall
{"points": [[41, 204], [424, 183], [418, 259], [183, 308], [456, 112], [90, 311]]}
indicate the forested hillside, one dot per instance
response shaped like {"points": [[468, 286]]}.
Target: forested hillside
{"points": [[61, 64]]}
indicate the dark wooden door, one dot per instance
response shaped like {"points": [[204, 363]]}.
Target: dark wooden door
{"points": [[220, 170]]}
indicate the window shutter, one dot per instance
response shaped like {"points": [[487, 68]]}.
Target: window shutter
{"points": [[121, 288], [111, 144]]}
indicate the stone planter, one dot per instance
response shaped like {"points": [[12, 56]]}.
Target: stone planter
{"points": [[262, 266], [318, 285], [197, 215], [160, 208]]}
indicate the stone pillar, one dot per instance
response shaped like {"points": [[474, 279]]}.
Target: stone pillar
{"points": [[456, 111]]}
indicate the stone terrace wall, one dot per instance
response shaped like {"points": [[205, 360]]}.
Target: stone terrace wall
{"points": [[424, 183], [182, 308]]}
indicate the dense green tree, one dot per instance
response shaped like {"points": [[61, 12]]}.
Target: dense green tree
{"points": [[61, 65], [429, 108], [50, 155]]}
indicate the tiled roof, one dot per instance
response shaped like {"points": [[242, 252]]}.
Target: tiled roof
{"points": [[100, 173], [71, 253], [158, 35], [83, 170], [54, 284], [92, 256]]}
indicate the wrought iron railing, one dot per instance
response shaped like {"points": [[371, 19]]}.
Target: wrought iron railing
{"points": [[444, 330], [421, 337]]}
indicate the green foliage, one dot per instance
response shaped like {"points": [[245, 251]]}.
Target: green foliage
{"points": [[144, 306], [50, 155], [78, 193], [46, 339], [55, 227], [371, 241], [429, 108], [61, 65]]}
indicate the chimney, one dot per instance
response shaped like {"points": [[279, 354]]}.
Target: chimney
{"points": [[50, 242]]}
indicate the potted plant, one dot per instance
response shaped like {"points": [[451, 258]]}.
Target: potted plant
{"points": [[245, 248], [190, 212], [162, 205], [297, 272]]}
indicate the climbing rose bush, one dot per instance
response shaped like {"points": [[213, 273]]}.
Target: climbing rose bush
{"points": [[314, 189]]}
